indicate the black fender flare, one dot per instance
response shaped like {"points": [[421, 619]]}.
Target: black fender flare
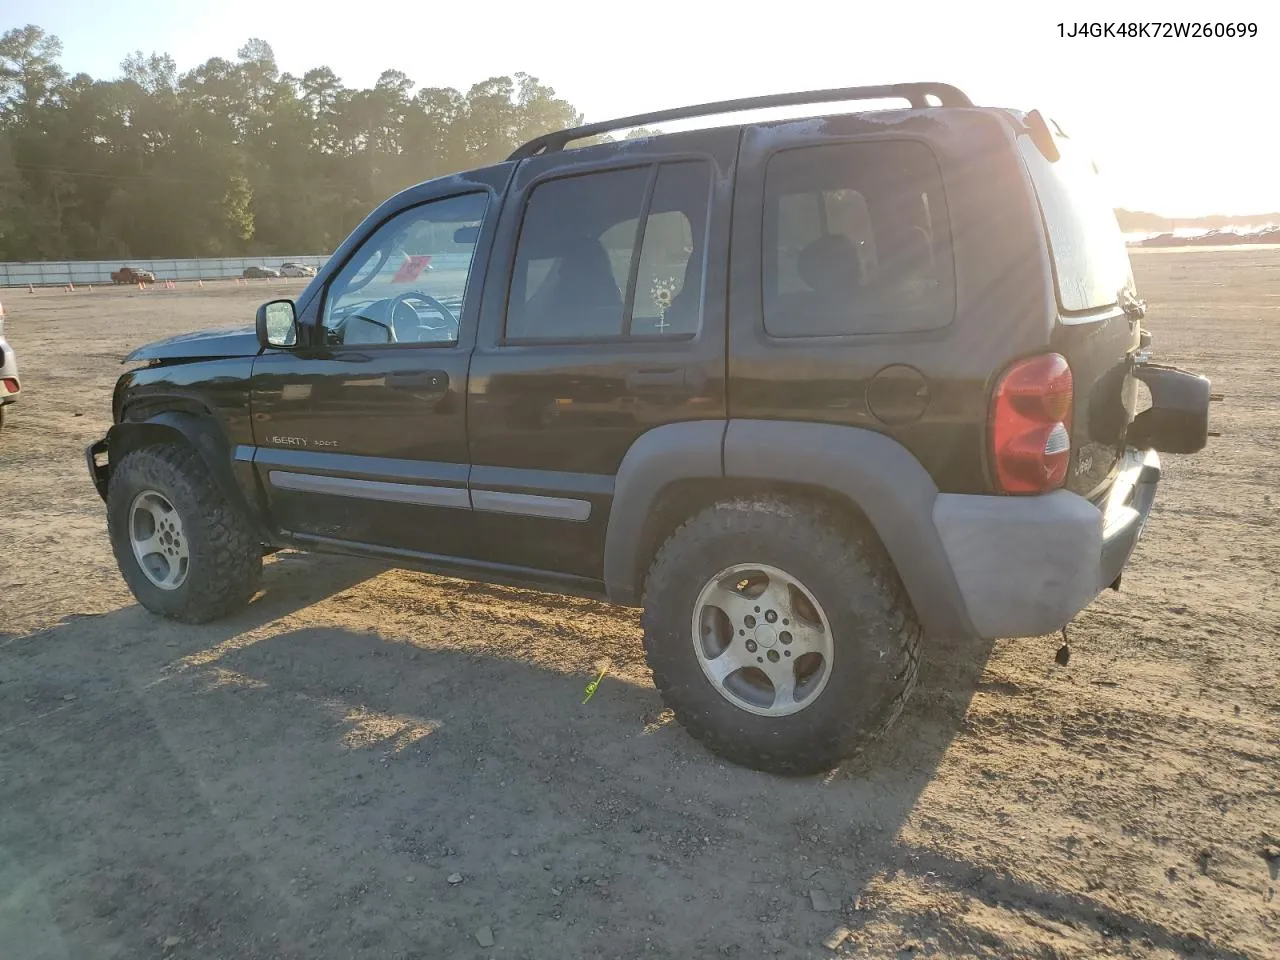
{"points": [[870, 470], [883, 480], [660, 457], [203, 434]]}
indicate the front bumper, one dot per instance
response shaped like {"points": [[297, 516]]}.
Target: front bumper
{"points": [[10, 385], [98, 472], [1027, 565]]}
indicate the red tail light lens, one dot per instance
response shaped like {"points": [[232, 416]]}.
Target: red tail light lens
{"points": [[1031, 425]]}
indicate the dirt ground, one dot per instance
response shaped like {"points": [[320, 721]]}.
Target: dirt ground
{"points": [[305, 779]]}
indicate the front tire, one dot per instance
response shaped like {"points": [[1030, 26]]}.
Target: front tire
{"points": [[186, 553], [779, 634]]}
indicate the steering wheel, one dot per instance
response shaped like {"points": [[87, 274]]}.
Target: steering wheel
{"points": [[410, 328]]}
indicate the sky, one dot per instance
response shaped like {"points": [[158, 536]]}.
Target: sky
{"points": [[1179, 126]]}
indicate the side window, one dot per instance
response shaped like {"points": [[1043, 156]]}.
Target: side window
{"points": [[612, 254], [571, 264], [407, 282], [856, 240], [668, 294]]}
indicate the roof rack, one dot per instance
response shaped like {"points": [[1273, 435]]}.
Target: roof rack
{"points": [[914, 93]]}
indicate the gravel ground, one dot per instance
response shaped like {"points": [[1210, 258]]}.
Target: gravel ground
{"points": [[377, 763]]}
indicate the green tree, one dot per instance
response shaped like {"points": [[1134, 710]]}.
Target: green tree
{"points": [[231, 157]]}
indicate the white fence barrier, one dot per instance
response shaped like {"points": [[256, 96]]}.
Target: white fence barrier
{"points": [[59, 273]]}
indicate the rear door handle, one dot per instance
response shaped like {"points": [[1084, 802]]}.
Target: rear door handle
{"points": [[428, 380], [656, 377]]}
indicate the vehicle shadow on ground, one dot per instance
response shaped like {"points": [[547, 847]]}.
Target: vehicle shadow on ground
{"points": [[325, 791]]}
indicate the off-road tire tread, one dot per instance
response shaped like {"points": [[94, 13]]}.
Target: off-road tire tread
{"points": [[874, 590], [229, 563]]}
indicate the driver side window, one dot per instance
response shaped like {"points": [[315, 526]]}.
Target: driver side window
{"points": [[406, 283]]}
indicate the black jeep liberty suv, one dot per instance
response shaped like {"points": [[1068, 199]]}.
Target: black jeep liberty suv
{"points": [[805, 390]]}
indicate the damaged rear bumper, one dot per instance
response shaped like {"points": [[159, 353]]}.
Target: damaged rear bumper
{"points": [[1027, 565]]}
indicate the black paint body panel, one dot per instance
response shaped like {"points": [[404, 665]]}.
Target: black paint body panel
{"points": [[601, 430]]}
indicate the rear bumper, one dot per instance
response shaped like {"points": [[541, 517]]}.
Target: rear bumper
{"points": [[9, 373], [1026, 566], [1125, 510]]}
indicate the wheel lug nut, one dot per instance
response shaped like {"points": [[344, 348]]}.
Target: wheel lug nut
{"points": [[751, 646], [749, 620], [771, 616], [786, 653], [773, 656], [785, 636]]}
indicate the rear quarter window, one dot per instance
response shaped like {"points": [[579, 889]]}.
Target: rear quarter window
{"points": [[856, 241], [1090, 262]]}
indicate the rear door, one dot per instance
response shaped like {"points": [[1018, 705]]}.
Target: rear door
{"points": [[603, 317], [1092, 282]]}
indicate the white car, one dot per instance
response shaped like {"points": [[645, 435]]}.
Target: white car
{"points": [[10, 387], [296, 270]]}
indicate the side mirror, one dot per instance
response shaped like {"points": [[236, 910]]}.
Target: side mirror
{"points": [[466, 235], [277, 323]]}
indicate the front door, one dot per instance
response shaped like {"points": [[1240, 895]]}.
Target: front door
{"points": [[361, 433]]}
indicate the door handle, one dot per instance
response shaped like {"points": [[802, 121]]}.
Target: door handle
{"points": [[428, 380], [655, 377]]}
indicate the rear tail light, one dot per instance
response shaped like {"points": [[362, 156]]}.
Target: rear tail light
{"points": [[1031, 425], [9, 386]]}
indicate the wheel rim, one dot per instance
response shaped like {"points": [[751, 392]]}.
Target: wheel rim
{"points": [[762, 639], [158, 540]]}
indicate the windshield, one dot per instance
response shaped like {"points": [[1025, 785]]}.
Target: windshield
{"points": [[1090, 262]]}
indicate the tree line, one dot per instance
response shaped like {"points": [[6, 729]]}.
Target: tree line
{"points": [[1138, 221], [235, 158], [232, 158]]}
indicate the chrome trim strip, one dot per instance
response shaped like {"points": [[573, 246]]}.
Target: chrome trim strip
{"points": [[530, 505], [383, 469], [541, 482], [372, 489]]}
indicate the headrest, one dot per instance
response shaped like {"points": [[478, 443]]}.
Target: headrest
{"points": [[828, 262]]}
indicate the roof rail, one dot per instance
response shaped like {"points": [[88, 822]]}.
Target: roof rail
{"points": [[914, 93]]}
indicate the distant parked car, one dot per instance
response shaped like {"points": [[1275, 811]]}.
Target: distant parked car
{"points": [[296, 270], [259, 273], [10, 387], [130, 275]]}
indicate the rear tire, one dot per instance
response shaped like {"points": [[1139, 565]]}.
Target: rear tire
{"points": [[184, 550], [836, 581]]}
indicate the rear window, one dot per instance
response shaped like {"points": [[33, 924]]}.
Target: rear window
{"points": [[856, 241], [1090, 262]]}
